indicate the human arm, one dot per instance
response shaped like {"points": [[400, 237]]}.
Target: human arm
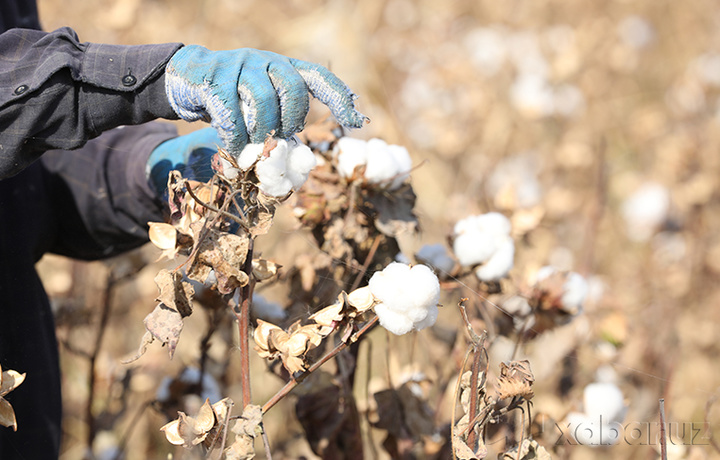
{"points": [[57, 93]]}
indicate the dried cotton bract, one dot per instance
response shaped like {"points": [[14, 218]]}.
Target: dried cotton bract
{"points": [[574, 288], [385, 165], [407, 297], [486, 240]]}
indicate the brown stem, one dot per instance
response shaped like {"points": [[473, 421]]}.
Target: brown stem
{"points": [[595, 214], [89, 416], [222, 212], [266, 442], [473, 405], [368, 259], [295, 381], [243, 318], [663, 441]]}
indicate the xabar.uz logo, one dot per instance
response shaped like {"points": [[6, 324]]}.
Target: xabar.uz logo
{"points": [[600, 433]]}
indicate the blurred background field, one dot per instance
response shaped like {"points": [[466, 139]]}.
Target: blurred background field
{"points": [[596, 125]]}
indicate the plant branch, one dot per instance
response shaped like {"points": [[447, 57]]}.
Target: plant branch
{"points": [[295, 381], [105, 315], [243, 317]]}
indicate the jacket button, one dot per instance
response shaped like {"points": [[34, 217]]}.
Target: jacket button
{"points": [[129, 80], [21, 89]]}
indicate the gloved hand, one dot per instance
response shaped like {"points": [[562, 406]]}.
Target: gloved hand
{"points": [[245, 94], [190, 154]]}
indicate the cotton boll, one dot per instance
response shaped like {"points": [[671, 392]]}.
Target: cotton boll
{"points": [[531, 94], [575, 288], [272, 172], [249, 155], [381, 165], [436, 256], [429, 319], [645, 210], [350, 154], [575, 291], [500, 263], [406, 297], [393, 321], [477, 238], [636, 32], [286, 168], [604, 400], [385, 165], [487, 49], [403, 164], [301, 160]]}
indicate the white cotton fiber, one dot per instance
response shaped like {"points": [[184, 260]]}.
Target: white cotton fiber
{"points": [[387, 166], [500, 262], [350, 153], [286, 169], [407, 297], [249, 155], [485, 239]]}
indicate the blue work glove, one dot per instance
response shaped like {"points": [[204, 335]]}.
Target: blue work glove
{"points": [[190, 154], [245, 94]]}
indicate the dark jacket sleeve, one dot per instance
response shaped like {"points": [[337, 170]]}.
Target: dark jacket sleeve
{"points": [[99, 195], [57, 93]]}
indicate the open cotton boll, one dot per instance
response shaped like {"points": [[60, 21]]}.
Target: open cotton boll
{"points": [[645, 210], [407, 297], [385, 165], [575, 288], [301, 160], [477, 238], [436, 256], [249, 155], [285, 169], [600, 423], [604, 400], [350, 153], [499, 263]]}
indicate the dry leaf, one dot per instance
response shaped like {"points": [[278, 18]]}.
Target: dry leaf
{"points": [[174, 292], [516, 379], [395, 211], [225, 253], [530, 450], [246, 429], [462, 450], [165, 324]]}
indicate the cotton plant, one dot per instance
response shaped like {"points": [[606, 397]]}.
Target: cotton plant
{"points": [[385, 165], [604, 410], [484, 242]]}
